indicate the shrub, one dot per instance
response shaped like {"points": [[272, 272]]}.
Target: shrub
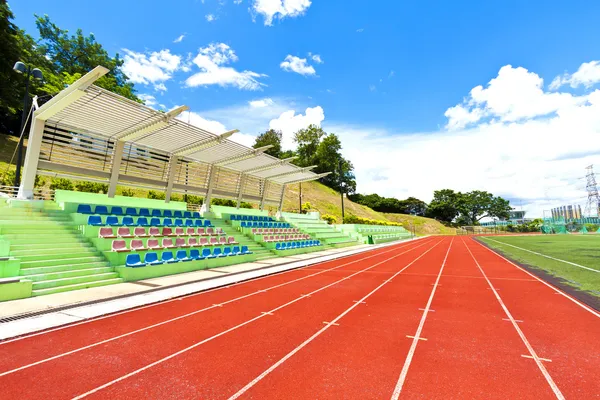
{"points": [[331, 219], [8, 179], [243, 204], [61, 184], [157, 195], [306, 207], [223, 202], [127, 192], [353, 219], [191, 199], [91, 187], [174, 197]]}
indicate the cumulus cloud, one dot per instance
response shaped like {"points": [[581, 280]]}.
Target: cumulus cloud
{"points": [[587, 75], [316, 58], [289, 123], [273, 9], [212, 62], [179, 39], [297, 65], [210, 17], [148, 99], [153, 68], [261, 103], [195, 119]]}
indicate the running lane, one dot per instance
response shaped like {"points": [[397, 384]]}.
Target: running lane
{"points": [[223, 366], [471, 349], [32, 348], [129, 353], [560, 330]]}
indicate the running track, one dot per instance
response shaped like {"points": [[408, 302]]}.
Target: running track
{"points": [[436, 318]]}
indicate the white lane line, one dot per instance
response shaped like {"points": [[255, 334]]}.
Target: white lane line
{"points": [[528, 356], [330, 323], [532, 352], [516, 320], [241, 325], [426, 310], [313, 337], [556, 290], [417, 336], [179, 317], [544, 255], [161, 302]]}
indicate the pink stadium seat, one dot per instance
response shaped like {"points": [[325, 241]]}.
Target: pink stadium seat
{"points": [[210, 231], [119, 245], [191, 231], [167, 232], [180, 242], [106, 233], [140, 232], [254, 231], [124, 232], [201, 232], [167, 243], [203, 241], [154, 231], [222, 240], [137, 244], [193, 242], [231, 240], [153, 244], [213, 241], [179, 231]]}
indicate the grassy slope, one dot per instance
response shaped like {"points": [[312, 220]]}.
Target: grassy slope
{"points": [[321, 198], [327, 201], [579, 249]]}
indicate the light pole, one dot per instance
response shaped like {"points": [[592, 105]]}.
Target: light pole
{"points": [[21, 68], [342, 190]]}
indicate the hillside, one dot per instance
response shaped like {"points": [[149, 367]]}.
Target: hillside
{"points": [[327, 201]]}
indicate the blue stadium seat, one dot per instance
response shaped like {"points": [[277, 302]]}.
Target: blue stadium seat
{"points": [[178, 222], [278, 246], [198, 223], [255, 224], [244, 218], [152, 259], [95, 220], [243, 224], [254, 218], [207, 223], [84, 209], [187, 214], [227, 252], [132, 211], [102, 210], [245, 250], [196, 214], [144, 212], [155, 222], [217, 253], [167, 214], [233, 217], [167, 256], [189, 222], [116, 210], [181, 255], [236, 251], [143, 221], [113, 221], [206, 254], [156, 213], [177, 214], [128, 221], [195, 254], [133, 260], [168, 222]]}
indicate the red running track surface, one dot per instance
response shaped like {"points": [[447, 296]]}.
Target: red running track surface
{"points": [[436, 318]]}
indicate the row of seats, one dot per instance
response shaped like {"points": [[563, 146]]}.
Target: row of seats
{"points": [[284, 238], [96, 220], [271, 231], [250, 218], [125, 232], [144, 212], [297, 245], [167, 243], [135, 260], [265, 225]]}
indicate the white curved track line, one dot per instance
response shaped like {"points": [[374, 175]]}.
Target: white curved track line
{"points": [[557, 290], [417, 336], [262, 315], [514, 323]]}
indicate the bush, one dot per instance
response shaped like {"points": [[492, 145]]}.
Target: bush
{"points": [[8, 179], [353, 219], [61, 184], [157, 195], [174, 197], [306, 207], [331, 219], [191, 199], [243, 204], [91, 187], [127, 192], [223, 202]]}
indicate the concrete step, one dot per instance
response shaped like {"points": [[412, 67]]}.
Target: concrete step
{"points": [[46, 236], [61, 261], [78, 286], [70, 274], [19, 246], [46, 284], [62, 267], [58, 255], [25, 253]]}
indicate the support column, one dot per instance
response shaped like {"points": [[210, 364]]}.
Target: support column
{"points": [[211, 183], [115, 168], [171, 177], [241, 190], [264, 195], [31, 159], [280, 207]]}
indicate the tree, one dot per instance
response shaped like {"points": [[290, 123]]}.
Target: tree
{"points": [[308, 141], [413, 206], [444, 206], [476, 205], [270, 137], [500, 208]]}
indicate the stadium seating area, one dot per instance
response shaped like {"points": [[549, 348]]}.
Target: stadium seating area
{"points": [[374, 234], [134, 260], [317, 228]]}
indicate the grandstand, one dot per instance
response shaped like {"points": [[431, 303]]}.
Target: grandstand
{"points": [[71, 240]]}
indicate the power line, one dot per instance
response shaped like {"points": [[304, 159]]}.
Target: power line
{"points": [[593, 203]]}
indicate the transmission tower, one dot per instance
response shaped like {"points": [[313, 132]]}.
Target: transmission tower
{"points": [[593, 203]]}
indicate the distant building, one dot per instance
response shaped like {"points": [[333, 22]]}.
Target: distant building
{"points": [[568, 212]]}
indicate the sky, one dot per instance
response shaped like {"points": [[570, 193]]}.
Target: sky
{"points": [[502, 96]]}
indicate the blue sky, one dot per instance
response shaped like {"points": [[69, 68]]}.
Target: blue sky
{"points": [[390, 73]]}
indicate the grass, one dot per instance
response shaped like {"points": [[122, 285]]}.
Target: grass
{"points": [[579, 249]]}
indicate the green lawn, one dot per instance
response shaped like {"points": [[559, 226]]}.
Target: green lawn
{"points": [[579, 249]]}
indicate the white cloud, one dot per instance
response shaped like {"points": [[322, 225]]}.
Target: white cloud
{"points": [[179, 38], [212, 60], [587, 75], [148, 99], [195, 119], [360, 30], [372, 88], [150, 68], [261, 103], [289, 123], [160, 87], [272, 9], [210, 17], [316, 58], [297, 65]]}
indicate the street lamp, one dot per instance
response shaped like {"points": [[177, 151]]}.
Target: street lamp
{"points": [[342, 189], [21, 68]]}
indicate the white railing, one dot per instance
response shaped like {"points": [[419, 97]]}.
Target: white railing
{"points": [[38, 193]]}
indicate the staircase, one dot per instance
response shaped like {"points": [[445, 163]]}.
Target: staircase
{"points": [[319, 229], [53, 254], [261, 252]]}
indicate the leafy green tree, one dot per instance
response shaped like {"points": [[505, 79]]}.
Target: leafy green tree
{"points": [[413, 206], [308, 141], [444, 206], [476, 205], [270, 137]]}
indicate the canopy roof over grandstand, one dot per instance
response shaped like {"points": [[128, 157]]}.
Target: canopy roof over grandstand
{"points": [[90, 131]]}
